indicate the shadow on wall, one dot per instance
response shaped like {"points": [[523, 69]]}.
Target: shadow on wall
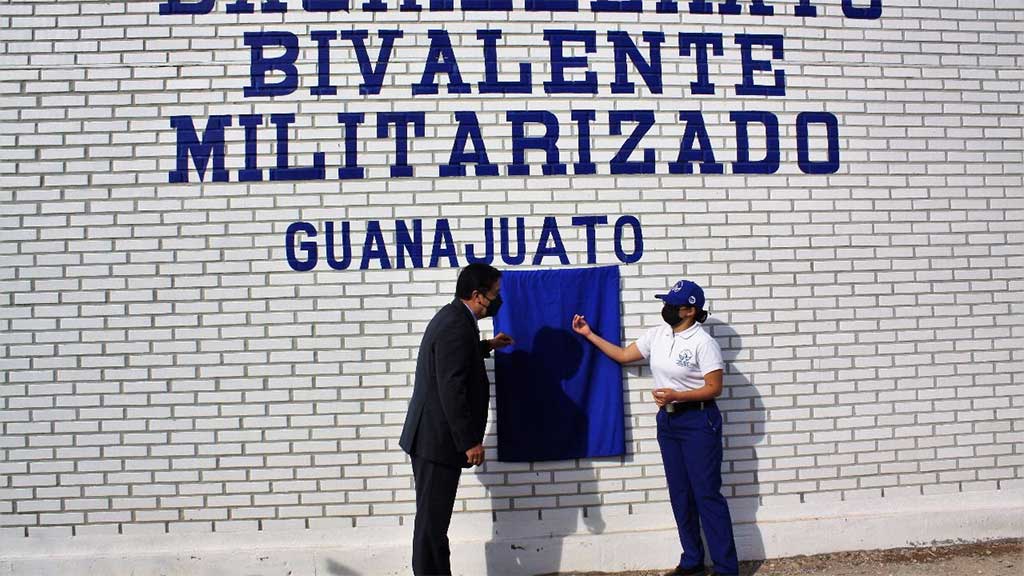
{"points": [[551, 425], [529, 541], [745, 418]]}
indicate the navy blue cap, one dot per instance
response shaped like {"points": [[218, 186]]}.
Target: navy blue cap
{"points": [[684, 293]]}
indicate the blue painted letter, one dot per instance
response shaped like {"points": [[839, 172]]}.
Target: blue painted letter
{"points": [[189, 143], [520, 142], [743, 164], [401, 120], [830, 165], [440, 58], [701, 42], [259, 64], [307, 246]]}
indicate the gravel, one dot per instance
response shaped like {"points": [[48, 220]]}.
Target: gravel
{"points": [[990, 558]]}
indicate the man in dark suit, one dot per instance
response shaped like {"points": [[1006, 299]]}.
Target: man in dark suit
{"points": [[444, 428]]}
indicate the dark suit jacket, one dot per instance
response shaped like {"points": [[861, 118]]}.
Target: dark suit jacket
{"points": [[448, 410]]}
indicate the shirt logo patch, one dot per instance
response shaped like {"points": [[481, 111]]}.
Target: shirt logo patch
{"points": [[685, 359]]}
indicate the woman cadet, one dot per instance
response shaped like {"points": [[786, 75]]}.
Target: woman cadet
{"points": [[687, 366]]}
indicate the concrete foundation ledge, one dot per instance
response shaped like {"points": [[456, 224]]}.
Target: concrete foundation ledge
{"points": [[564, 541]]}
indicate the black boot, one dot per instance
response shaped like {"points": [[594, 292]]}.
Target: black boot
{"points": [[680, 571]]}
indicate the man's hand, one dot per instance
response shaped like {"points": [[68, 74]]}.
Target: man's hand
{"points": [[664, 396], [475, 455], [501, 340]]}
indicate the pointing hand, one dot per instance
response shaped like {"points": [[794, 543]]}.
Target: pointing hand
{"points": [[580, 326]]}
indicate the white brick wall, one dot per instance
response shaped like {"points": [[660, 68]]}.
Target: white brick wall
{"points": [[165, 371]]}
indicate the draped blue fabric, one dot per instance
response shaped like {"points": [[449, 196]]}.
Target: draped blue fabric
{"points": [[558, 397]]}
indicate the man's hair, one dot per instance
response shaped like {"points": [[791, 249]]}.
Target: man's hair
{"points": [[478, 276]]}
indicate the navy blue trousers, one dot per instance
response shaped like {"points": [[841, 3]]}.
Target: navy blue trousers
{"points": [[691, 449]]}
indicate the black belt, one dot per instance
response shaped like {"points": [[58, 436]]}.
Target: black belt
{"points": [[680, 407]]}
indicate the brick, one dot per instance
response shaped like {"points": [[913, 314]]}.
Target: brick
{"points": [[158, 344]]}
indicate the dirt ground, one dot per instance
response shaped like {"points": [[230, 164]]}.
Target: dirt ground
{"points": [[994, 558]]}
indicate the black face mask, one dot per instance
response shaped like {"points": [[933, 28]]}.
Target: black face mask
{"points": [[492, 306], [670, 314]]}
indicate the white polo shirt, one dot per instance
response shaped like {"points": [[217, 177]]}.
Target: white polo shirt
{"points": [[680, 361]]}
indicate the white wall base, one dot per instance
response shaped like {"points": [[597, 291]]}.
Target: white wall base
{"points": [[479, 546]]}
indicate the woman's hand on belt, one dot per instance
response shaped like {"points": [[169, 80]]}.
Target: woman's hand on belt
{"points": [[664, 396]]}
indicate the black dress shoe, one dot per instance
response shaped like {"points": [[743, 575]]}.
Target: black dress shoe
{"points": [[680, 571]]}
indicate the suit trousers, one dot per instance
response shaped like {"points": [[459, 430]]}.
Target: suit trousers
{"points": [[436, 485], [691, 449]]}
